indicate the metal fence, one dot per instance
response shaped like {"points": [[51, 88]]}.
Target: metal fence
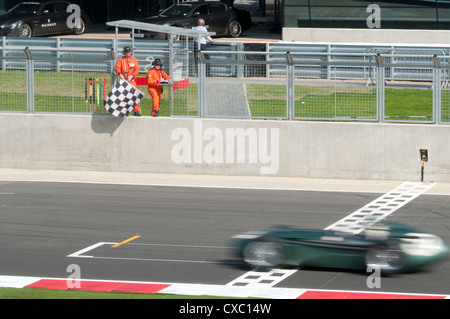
{"points": [[237, 80], [56, 76], [366, 86], [54, 80]]}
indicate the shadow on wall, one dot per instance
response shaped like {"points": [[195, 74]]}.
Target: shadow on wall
{"points": [[102, 124]]}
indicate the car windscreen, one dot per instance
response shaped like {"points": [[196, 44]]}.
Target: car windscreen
{"points": [[25, 8], [177, 10]]}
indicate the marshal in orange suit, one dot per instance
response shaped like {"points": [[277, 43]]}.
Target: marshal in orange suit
{"points": [[155, 77], [127, 67]]}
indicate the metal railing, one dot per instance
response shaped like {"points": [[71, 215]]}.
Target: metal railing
{"points": [[368, 85]]}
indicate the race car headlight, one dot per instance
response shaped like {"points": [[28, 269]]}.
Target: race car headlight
{"points": [[11, 26], [422, 245]]}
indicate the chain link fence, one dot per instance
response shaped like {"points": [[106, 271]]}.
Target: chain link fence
{"points": [[239, 81], [55, 81], [409, 86]]}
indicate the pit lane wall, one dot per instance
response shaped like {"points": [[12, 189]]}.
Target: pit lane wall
{"points": [[224, 147]]}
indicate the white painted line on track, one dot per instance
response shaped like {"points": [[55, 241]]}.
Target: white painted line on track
{"points": [[80, 253], [380, 208], [253, 291], [92, 247], [258, 279], [176, 245], [322, 188], [16, 281]]}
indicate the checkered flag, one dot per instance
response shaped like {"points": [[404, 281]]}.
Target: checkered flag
{"points": [[122, 99]]}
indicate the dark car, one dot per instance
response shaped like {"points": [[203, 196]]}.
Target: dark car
{"points": [[392, 247], [219, 18], [41, 18]]}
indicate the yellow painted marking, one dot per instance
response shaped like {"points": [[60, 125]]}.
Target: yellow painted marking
{"points": [[125, 241]]}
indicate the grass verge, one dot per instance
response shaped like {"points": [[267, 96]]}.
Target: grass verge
{"points": [[33, 293]]}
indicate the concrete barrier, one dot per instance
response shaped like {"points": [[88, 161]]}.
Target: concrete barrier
{"points": [[224, 147], [373, 36]]}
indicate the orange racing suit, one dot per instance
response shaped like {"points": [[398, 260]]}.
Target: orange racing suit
{"points": [[153, 79], [128, 67]]}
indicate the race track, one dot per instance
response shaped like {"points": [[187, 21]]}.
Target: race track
{"points": [[180, 234]]}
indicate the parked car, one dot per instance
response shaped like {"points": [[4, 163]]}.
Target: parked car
{"points": [[219, 18], [41, 18], [392, 247]]}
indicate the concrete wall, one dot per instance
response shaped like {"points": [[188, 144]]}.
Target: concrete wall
{"points": [[209, 146], [373, 36]]}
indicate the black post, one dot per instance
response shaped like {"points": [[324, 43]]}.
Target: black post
{"points": [[421, 173]]}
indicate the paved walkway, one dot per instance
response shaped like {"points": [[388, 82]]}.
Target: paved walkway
{"points": [[258, 182], [226, 98]]}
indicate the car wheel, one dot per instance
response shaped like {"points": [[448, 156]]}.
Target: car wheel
{"points": [[80, 29], [388, 259], [263, 254], [25, 31], [234, 29]]}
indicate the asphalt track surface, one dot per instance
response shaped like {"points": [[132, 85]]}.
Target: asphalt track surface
{"points": [[184, 232]]}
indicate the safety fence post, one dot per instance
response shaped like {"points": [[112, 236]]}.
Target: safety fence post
{"points": [[290, 86], [380, 71], [201, 84], [437, 115], [30, 80]]}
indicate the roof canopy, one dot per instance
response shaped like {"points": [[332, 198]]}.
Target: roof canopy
{"points": [[128, 24]]}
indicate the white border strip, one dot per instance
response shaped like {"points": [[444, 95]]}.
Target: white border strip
{"points": [[218, 290]]}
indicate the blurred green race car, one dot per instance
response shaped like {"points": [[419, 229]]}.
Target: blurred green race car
{"points": [[391, 247]]}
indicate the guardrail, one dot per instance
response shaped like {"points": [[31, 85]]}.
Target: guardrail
{"points": [[145, 49], [58, 48]]}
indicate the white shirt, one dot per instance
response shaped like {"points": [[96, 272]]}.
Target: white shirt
{"points": [[203, 40]]}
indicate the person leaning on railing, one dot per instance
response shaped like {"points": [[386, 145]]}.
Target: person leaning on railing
{"points": [[204, 41]]}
